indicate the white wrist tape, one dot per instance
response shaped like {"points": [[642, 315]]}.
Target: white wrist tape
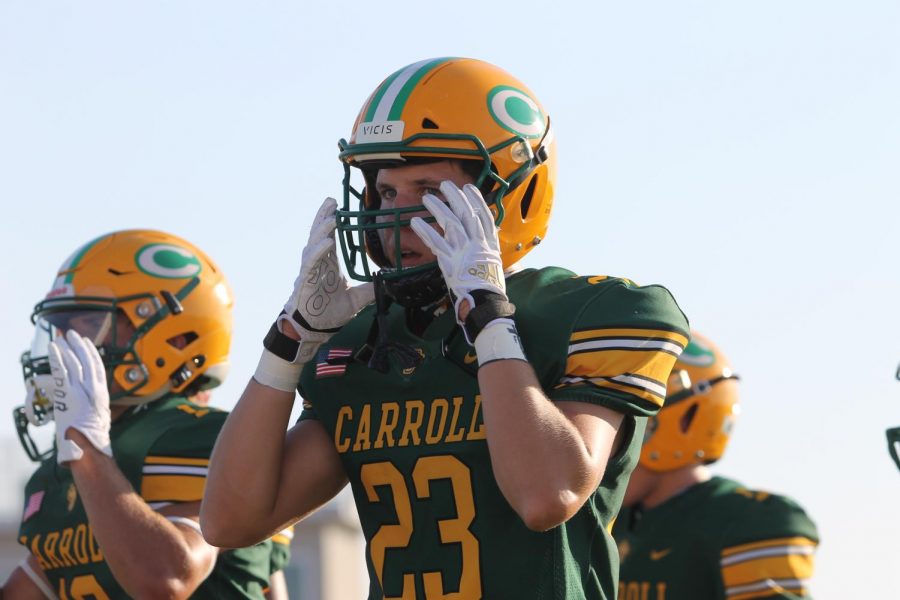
{"points": [[277, 373], [499, 340], [192, 524], [37, 580]]}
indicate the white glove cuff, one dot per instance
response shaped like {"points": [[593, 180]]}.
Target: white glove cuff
{"points": [[499, 340], [277, 373]]}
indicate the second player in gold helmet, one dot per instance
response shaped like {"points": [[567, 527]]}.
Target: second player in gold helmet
{"points": [[436, 109], [156, 306], [701, 405]]}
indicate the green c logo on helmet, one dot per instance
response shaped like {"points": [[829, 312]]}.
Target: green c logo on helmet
{"points": [[516, 112], [697, 355], [167, 261]]}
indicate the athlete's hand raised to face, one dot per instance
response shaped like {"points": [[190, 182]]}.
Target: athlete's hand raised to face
{"points": [[468, 254], [323, 300], [321, 303], [80, 395]]}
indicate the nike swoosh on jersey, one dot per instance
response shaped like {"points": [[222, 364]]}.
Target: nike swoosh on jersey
{"points": [[658, 554], [469, 358]]}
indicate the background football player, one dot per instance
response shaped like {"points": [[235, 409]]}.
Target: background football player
{"points": [[686, 535], [893, 436], [136, 322], [486, 417]]}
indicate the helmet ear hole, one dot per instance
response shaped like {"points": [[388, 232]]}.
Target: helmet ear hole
{"points": [[688, 418], [528, 196], [429, 124], [182, 340]]}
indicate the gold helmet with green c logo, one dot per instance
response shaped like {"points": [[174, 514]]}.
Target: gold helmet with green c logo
{"points": [[155, 305], [457, 108], [695, 423]]}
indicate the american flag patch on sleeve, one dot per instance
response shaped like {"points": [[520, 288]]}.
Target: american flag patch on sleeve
{"points": [[332, 362], [33, 505]]}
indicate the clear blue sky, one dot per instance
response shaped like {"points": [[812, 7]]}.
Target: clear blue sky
{"points": [[744, 154]]}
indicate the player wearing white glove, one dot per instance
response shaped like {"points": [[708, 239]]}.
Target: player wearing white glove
{"points": [[321, 303], [136, 324], [469, 257], [80, 396], [536, 444]]}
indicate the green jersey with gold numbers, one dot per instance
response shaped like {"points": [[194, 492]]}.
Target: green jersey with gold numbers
{"points": [[716, 541], [163, 450], [413, 440]]}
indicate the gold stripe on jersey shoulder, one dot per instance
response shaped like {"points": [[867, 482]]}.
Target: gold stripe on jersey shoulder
{"points": [[784, 567], [788, 541], [653, 365], [600, 333], [174, 488], [173, 460]]}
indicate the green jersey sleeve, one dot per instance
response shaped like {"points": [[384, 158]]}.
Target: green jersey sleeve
{"points": [[603, 340], [176, 466], [281, 549], [769, 553]]}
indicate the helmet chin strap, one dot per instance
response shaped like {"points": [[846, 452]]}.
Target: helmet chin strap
{"points": [[417, 290], [379, 346]]}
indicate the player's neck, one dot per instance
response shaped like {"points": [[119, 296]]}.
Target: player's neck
{"points": [[672, 483]]}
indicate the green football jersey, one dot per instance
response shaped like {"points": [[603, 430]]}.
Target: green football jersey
{"points": [[716, 540], [281, 549], [413, 441], [163, 450]]}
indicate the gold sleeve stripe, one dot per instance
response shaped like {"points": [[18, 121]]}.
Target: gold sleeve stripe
{"points": [[284, 536], [753, 555], [766, 588], [790, 566], [593, 340], [174, 460], [173, 488], [654, 366], [789, 541], [610, 332]]}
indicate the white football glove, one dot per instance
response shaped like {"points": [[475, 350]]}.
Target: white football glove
{"points": [[322, 302], [468, 254], [80, 395]]}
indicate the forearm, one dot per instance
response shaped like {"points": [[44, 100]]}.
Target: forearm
{"points": [[245, 468], [162, 563], [542, 462]]}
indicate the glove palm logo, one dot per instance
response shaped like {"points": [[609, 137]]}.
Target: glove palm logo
{"points": [[487, 272]]}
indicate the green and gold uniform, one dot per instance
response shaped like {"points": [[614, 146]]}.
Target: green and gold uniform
{"points": [[163, 450], [413, 441], [281, 549], [716, 541]]}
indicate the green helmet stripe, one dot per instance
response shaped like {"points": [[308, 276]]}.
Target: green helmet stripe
{"points": [[379, 94], [76, 258], [390, 99]]}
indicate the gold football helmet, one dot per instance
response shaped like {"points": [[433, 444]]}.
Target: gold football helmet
{"points": [[695, 423], [458, 108], [155, 305]]}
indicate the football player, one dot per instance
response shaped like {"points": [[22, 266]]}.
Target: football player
{"points": [[485, 416], [685, 534], [893, 437], [135, 324]]}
